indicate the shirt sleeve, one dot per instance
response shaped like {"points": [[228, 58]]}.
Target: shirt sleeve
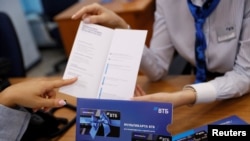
{"points": [[205, 92], [13, 123], [157, 58], [235, 82]]}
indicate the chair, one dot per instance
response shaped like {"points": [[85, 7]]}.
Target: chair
{"points": [[50, 9], [10, 47]]}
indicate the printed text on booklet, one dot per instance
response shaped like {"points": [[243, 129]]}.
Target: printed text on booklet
{"points": [[106, 62]]}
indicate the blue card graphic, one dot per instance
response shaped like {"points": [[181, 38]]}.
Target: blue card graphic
{"points": [[122, 120], [99, 122]]}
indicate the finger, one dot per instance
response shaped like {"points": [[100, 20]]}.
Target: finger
{"points": [[51, 94], [46, 109], [95, 19], [139, 91], [35, 110], [60, 83], [92, 8], [50, 103], [78, 14], [142, 98]]}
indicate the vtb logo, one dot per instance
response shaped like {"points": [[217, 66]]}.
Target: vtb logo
{"points": [[161, 110]]}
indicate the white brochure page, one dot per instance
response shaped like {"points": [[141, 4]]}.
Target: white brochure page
{"points": [[106, 62], [87, 60], [122, 66]]}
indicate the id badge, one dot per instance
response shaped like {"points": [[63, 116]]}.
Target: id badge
{"points": [[226, 33]]}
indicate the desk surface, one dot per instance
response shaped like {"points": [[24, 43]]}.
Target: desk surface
{"points": [[185, 117]]}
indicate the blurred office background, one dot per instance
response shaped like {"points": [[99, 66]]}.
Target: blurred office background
{"points": [[41, 46], [39, 37], [38, 34]]}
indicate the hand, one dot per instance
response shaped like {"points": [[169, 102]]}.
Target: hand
{"points": [[97, 14], [35, 93], [178, 98], [139, 91]]}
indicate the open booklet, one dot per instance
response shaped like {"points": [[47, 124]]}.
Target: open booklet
{"points": [[106, 62]]}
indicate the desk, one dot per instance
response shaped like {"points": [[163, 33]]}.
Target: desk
{"points": [[138, 13], [184, 118]]}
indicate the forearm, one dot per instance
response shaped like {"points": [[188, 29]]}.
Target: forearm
{"points": [[179, 98], [185, 97]]}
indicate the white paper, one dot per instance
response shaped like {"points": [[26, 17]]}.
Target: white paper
{"points": [[106, 62]]}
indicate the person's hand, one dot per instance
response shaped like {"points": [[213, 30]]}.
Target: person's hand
{"points": [[178, 98], [98, 14], [35, 93], [139, 91]]}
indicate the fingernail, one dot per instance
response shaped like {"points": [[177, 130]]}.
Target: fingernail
{"points": [[62, 102], [86, 20], [73, 16]]}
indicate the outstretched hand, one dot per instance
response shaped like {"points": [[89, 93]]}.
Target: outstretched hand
{"points": [[35, 93]]}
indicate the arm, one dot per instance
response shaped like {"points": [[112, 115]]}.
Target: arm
{"points": [[156, 59], [35, 93], [186, 96], [236, 80]]}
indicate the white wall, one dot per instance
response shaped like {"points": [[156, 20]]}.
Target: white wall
{"points": [[30, 51]]}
